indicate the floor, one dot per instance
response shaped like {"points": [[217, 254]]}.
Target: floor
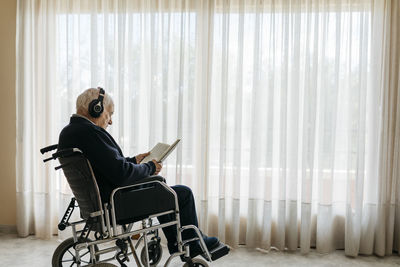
{"points": [[30, 251]]}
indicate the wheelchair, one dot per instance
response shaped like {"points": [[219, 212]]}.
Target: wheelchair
{"points": [[105, 230]]}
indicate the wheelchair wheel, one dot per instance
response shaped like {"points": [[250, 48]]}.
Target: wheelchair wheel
{"points": [[104, 264], [64, 255], [197, 263], [155, 253]]}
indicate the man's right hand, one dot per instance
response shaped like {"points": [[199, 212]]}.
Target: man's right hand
{"points": [[158, 166]]}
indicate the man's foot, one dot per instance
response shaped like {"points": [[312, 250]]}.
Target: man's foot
{"points": [[211, 242], [195, 247]]}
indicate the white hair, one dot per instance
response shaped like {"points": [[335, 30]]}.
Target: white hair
{"points": [[84, 99]]}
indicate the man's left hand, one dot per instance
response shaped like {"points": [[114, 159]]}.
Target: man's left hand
{"points": [[140, 157]]}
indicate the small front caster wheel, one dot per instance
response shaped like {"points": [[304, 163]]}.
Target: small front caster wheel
{"points": [[155, 253], [197, 263]]}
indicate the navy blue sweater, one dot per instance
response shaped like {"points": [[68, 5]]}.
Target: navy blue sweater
{"points": [[109, 165]]}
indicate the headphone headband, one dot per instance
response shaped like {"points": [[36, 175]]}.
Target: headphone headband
{"points": [[101, 94]]}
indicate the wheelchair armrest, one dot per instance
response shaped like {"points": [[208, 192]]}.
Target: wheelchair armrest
{"points": [[150, 179], [138, 184]]}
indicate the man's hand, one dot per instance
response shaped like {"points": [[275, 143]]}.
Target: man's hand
{"points": [[158, 166], [140, 157]]}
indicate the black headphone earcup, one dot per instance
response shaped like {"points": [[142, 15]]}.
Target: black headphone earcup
{"points": [[95, 108]]}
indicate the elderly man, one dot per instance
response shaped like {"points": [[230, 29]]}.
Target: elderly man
{"points": [[87, 131]]}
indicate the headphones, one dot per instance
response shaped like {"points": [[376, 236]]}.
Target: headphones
{"points": [[96, 106]]}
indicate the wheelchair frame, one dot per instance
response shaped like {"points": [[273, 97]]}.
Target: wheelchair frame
{"points": [[110, 230]]}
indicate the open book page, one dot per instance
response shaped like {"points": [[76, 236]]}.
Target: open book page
{"points": [[160, 152]]}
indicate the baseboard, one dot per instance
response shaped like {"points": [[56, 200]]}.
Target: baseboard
{"points": [[8, 229]]}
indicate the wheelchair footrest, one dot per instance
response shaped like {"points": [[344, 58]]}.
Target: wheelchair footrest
{"points": [[219, 251]]}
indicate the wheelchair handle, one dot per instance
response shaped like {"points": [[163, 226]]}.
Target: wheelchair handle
{"points": [[62, 153], [66, 152], [48, 148]]}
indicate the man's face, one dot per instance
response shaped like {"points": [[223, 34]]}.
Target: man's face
{"points": [[105, 118]]}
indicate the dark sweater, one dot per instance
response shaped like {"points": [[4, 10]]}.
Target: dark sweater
{"points": [[109, 165]]}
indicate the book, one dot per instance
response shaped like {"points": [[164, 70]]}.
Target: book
{"points": [[160, 152]]}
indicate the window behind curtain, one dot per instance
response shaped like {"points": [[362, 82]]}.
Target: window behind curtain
{"points": [[270, 100]]}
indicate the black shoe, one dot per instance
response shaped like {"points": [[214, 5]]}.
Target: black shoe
{"points": [[211, 242], [195, 248]]}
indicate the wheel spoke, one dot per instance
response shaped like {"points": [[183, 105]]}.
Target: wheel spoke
{"points": [[71, 253], [85, 254], [65, 254]]}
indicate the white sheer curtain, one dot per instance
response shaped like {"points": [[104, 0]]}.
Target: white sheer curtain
{"points": [[288, 111]]}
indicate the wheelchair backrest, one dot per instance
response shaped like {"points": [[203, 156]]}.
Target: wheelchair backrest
{"points": [[81, 179]]}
